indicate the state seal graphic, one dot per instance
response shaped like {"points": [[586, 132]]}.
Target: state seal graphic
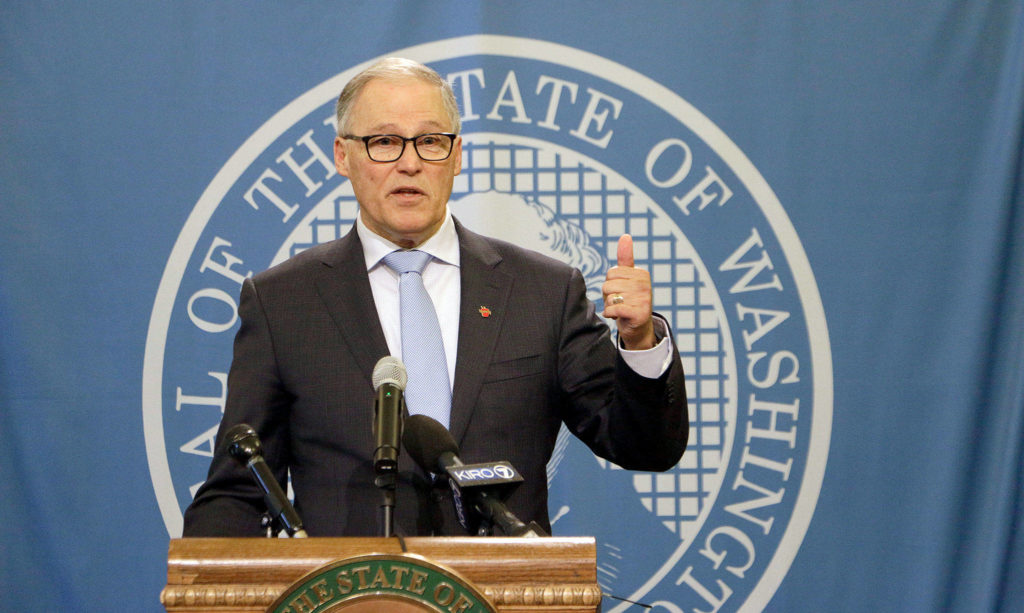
{"points": [[564, 151]]}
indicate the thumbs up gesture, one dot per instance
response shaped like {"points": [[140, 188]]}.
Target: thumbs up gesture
{"points": [[628, 298]]}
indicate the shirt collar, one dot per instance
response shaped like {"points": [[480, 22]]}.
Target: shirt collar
{"points": [[443, 245]]}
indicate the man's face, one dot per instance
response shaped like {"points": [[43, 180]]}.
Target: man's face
{"points": [[403, 201]]}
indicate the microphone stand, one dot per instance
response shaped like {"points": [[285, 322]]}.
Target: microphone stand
{"points": [[493, 511], [385, 482]]}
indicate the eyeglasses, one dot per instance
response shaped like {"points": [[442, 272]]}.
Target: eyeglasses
{"points": [[433, 147]]}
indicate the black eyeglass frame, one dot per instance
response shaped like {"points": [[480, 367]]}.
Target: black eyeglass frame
{"points": [[366, 144]]}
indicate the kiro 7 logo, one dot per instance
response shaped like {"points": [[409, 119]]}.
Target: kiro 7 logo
{"points": [[481, 473], [563, 152]]}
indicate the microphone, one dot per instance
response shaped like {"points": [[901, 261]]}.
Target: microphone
{"points": [[245, 446], [484, 486], [389, 381]]}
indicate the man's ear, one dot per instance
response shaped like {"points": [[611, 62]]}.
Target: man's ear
{"points": [[340, 157], [457, 154]]}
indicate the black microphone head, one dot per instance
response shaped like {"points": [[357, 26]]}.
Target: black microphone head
{"points": [[389, 369], [427, 440], [243, 444]]}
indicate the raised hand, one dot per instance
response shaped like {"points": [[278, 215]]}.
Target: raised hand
{"points": [[628, 298]]}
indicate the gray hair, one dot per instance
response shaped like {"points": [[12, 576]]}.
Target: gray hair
{"points": [[396, 69]]}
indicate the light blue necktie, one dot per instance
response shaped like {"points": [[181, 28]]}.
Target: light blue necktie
{"points": [[428, 391]]}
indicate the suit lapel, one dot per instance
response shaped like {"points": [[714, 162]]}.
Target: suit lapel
{"points": [[483, 287], [344, 287]]}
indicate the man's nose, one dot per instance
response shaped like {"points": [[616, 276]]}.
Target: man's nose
{"points": [[409, 161]]}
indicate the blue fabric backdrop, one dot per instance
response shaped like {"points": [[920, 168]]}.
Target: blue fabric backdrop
{"points": [[876, 149]]}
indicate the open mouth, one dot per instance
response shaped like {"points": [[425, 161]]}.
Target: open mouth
{"points": [[407, 192]]}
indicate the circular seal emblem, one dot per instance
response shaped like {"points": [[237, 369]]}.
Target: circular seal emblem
{"points": [[405, 583], [564, 151]]}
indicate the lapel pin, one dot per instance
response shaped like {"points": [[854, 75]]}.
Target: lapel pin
{"points": [[485, 312]]}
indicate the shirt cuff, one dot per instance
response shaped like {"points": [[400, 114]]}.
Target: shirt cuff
{"points": [[653, 362]]}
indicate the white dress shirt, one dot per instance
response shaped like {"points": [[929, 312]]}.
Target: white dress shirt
{"points": [[442, 280]]}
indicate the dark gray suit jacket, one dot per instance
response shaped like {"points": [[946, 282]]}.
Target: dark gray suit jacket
{"points": [[301, 376]]}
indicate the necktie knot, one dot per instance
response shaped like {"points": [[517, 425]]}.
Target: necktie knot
{"points": [[407, 261]]}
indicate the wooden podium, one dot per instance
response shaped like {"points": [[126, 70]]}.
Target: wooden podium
{"points": [[325, 575]]}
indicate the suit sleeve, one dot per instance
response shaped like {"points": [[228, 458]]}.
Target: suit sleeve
{"points": [[229, 503], [635, 422]]}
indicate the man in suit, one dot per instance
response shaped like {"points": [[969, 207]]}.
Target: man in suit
{"points": [[524, 348]]}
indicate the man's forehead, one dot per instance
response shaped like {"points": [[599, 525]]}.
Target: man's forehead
{"points": [[388, 103]]}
